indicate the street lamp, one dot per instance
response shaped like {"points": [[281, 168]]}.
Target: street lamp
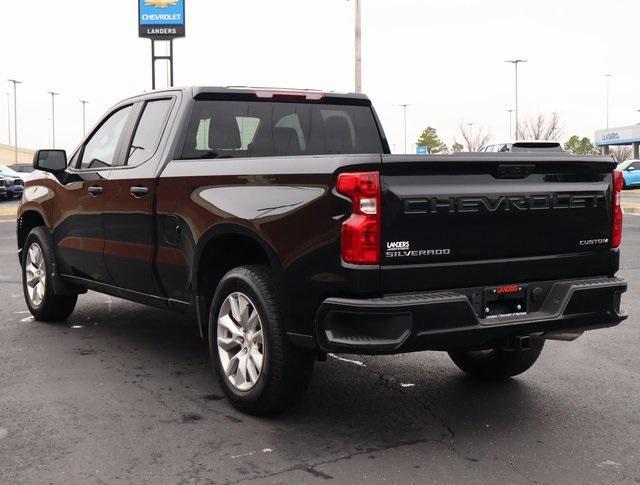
{"points": [[15, 116], [358, 46], [53, 118], [470, 125], [404, 109], [9, 118], [358, 73], [515, 62], [84, 126], [608, 77], [510, 111]]}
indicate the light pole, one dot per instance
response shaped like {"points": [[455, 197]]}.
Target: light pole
{"points": [[608, 77], [510, 111], [470, 125], [15, 116], [404, 109], [471, 144], [515, 62], [53, 118], [9, 118], [84, 126], [358, 49]]}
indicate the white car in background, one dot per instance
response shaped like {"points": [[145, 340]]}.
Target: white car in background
{"points": [[12, 182], [10, 173]]}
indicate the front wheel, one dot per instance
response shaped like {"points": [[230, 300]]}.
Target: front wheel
{"points": [[257, 367], [497, 363], [38, 262]]}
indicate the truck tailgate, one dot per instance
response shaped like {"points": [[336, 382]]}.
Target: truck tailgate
{"points": [[484, 219]]}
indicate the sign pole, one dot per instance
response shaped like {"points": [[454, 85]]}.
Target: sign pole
{"points": [[171, 63], [161, 20], [155, 58], [153, 64]]}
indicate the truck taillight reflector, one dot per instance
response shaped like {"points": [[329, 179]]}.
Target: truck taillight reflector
{"points": [[616, 230], [360, 239]]}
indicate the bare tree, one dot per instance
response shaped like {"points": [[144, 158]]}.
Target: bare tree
{"points": [[473, 140], [620, 153], [541, 127]]}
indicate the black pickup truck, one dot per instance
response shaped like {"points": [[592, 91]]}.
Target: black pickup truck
{"points": [[281, 220]]}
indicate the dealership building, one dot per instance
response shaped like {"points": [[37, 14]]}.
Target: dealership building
{"points": [[623, 135]]}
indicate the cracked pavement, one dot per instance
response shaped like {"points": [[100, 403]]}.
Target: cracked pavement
{"points": [[122, 393]]}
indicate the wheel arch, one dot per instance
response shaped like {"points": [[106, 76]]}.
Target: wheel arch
{"points": [[222, 248], [27, 221]]}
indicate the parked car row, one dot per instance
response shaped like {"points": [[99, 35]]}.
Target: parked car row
{"points": [[11, 182]]}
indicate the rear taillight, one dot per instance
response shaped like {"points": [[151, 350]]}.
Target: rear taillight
{"points": [[616, 229], [360, 241]]}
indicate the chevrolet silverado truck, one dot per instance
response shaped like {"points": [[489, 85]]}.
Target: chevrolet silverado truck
{"points": [[281, 221]]}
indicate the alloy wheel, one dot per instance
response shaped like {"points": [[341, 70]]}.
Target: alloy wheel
{"points": [[240, 341], [36, 274]]}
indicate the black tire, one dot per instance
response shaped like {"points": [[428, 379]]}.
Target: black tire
{"points": [[497, 363], [286, 370], [51, 307]]}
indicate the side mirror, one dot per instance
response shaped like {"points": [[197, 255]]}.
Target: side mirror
{"points": [[50, 160], [630, 169]]}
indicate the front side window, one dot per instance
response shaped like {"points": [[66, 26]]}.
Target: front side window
{"points": [[149, 130], [230, 129], [100, 150]]}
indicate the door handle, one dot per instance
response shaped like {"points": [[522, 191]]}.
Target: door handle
{"points": [[138, 191], [95, 190]]}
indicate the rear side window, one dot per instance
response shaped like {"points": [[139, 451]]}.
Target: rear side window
{"points": [[149, 130], [225, 129]]}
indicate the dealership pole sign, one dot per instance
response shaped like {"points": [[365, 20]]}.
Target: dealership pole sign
{"points": [[161, 19]]}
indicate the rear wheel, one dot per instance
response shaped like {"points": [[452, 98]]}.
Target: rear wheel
{"points": [[497, 363], [257, 367], [38, 262]]}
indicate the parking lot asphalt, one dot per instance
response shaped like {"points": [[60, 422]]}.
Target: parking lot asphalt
{"points": [[124, 393]]}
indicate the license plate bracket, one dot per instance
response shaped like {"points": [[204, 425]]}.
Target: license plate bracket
{"points": [[504, 301]]}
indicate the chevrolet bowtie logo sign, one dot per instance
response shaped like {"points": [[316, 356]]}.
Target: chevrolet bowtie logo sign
{"points": [[160, 3], [161, 19]]}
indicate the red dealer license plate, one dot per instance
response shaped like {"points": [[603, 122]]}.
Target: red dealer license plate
{"points": [[504, 301]]}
